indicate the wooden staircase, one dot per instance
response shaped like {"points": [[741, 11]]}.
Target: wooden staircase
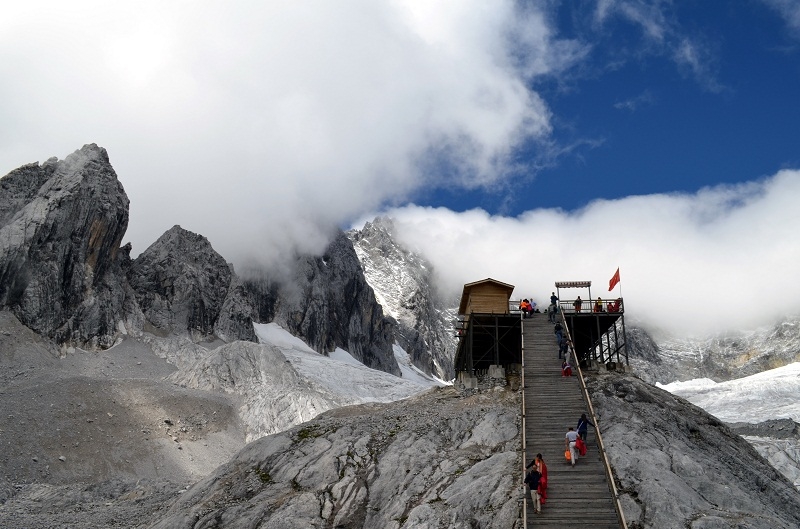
{"points": [[576, 496]]}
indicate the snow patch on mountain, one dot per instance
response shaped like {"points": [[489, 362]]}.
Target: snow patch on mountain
{"points": [[339, 375], [765, 396], [404, 285], [282, 382], [413, 373]]}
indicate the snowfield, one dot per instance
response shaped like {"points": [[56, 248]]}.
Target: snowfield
{"points": [[767, 395]]}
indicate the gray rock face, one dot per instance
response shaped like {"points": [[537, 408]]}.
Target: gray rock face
{"points": [[240, 309], [719, 358], [775, 428], [330, 304], [436, 460], [326, 301], [61, 224], [279, 386], [183, 286], [181, 283], [403, 283], [677, 466]]}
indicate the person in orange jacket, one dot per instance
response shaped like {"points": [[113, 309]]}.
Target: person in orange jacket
{"points": [[525, 307]]}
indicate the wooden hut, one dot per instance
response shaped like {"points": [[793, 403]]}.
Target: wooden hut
{"points": [[487, 296], [490, 344]]}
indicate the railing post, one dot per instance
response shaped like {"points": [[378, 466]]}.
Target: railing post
{"points": [[604, 456]]}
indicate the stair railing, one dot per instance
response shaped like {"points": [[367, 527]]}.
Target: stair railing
{"points": [[524, 440], [601, 445]]}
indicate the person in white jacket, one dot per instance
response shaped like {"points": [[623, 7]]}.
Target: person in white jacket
{"points": [[569, 440]]}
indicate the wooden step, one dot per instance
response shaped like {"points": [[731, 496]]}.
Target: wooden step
{"points": [[578, 496]]}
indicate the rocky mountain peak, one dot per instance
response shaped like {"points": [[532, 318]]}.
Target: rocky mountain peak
{"points": [[181, 283], [61, 224], [403, 282]]}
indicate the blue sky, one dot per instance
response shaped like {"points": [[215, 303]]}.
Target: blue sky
{"points": [[634, 119], [532, 142]]}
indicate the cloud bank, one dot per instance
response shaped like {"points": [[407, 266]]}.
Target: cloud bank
{"points": [[263, 125], [266, 125], [724, 258]]}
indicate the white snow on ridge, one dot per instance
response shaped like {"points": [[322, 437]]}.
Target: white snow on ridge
{"points": [[767, 395], [274, 334], [412, 372], [339, 375]]}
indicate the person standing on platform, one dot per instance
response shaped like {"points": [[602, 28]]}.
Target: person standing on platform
{"points": [[525, 307], [569, 440], [577, 304], [598, 305]]}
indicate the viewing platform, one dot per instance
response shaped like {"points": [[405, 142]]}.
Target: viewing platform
{"points": [[500, 346]]}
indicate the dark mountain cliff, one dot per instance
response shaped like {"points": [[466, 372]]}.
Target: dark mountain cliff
{"points": [[62, 224], [64, 275], [181, 283]]}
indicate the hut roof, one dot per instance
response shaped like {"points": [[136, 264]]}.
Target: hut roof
{"points": [[462, 307]]}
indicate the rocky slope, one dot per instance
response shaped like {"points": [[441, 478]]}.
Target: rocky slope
{"points": [[283, 382], [677, 466], [404, 286], [436, 460], [99, 439]]}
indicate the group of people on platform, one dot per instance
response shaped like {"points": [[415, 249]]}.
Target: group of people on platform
{"points": [[536, 475], [527, 307]]}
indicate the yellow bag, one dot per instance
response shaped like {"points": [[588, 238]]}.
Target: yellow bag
{"points": [[566, 455]]}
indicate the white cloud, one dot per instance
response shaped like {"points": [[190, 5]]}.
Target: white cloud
{"points": [[271, 122], [662, 34], [724, 258], [633, 104], [789, 10]]}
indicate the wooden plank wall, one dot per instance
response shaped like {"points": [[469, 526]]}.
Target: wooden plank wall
{"points": [[488, 299]]}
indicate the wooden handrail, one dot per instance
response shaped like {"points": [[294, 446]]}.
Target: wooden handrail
{"points": [[524, 440], [601, 445]]}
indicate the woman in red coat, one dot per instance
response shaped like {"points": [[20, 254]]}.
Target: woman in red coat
{"points": [[543, 479]]}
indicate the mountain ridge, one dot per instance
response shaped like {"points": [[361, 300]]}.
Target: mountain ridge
{"points": [[107, 436]]}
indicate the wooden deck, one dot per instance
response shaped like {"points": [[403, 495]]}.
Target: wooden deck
{"points": [[576, 497]]}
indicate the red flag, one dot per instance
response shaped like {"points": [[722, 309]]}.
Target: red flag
{"points": [[614, 281]]}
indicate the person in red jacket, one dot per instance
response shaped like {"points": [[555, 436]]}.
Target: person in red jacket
{"points": [[537, 481], [566, 369], [542, 479]]}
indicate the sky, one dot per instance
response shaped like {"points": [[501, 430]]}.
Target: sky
{"points": [[531, 142]]}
